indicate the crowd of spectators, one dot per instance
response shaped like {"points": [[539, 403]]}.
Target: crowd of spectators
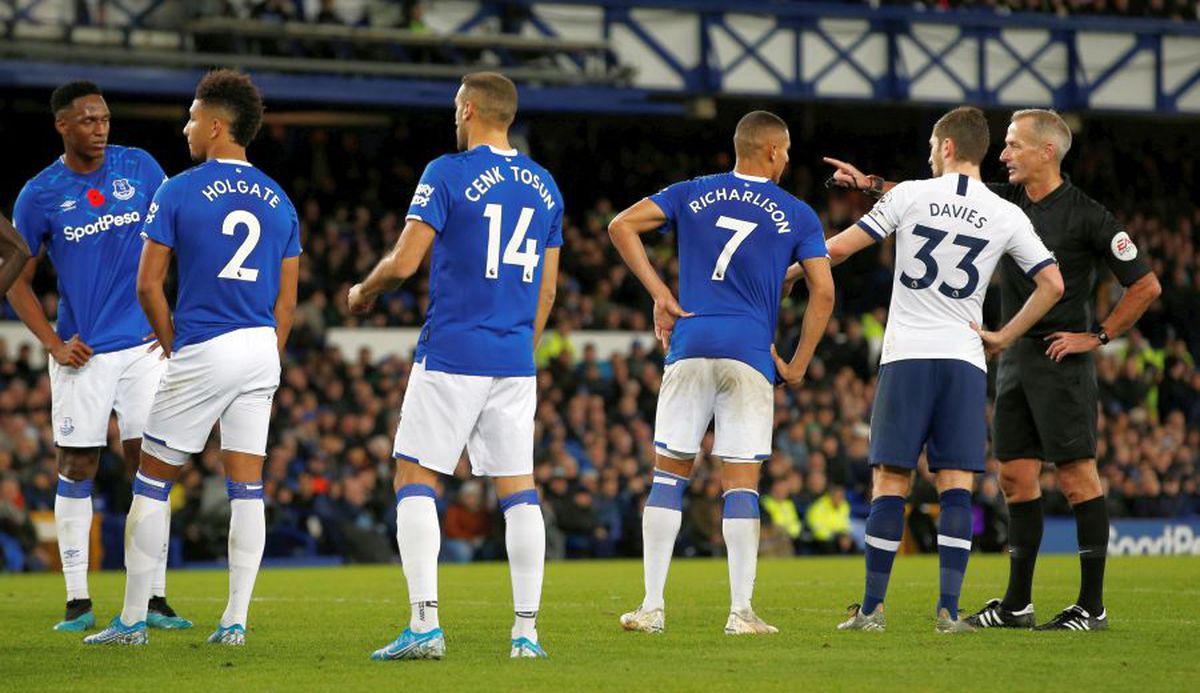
{"points": [[329, 469]]}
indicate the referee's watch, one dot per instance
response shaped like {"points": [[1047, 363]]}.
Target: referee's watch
{"points": [[1099, 333]]}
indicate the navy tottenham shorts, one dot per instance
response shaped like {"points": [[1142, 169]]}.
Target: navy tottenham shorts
{"points": [[936, 402]]}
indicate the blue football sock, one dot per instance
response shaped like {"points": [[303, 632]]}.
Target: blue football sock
{"points": [[885, 528], [954, 546]]}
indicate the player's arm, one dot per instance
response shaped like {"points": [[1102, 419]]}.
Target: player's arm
{"points": [[395, 267], [819, 278], [546, 293], [1048, 289], [14, 253], [152, 273], [625, 230], [285, 302], [846, 175], [73, 352], [840, 248]]}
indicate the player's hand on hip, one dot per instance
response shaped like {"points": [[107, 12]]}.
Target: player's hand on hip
{"points": [[847, 175], [666, 313], [994, 343], [358, 301], [156, 345], [73, 352], [792, 374], [1063, 344]]}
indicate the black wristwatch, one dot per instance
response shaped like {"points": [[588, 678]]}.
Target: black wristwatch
{"points": [[1099, 332]]}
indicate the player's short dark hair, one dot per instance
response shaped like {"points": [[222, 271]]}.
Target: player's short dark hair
{"points": [[967, 127], [494, 96], [753, 131], [236, 93], [66, 94]]}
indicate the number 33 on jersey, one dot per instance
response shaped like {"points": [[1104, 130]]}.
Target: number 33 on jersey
{"points": [[230, 226], [495, 213], [950, 234]]}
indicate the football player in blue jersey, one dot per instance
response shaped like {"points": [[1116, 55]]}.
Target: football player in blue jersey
{"points": [[737, 234], [14, 253], [86, 210], [236, 237], [494, 219]]}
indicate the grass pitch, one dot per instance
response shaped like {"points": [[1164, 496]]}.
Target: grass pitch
{"points": [[313, 629]]}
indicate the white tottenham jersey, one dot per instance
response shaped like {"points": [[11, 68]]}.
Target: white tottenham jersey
{"points": [[950, 234]]}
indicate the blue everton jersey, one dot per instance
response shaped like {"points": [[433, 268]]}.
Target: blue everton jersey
{"points": [[90, 225], [230, 226], [737, 235], [495, 213]]}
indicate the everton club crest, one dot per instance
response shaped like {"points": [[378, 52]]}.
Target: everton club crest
{"points": [[122, 190]]}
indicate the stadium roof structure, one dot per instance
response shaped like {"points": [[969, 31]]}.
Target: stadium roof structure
{"points": [[629, 56]]}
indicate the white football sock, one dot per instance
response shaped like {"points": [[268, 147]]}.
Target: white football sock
{"points": [[525, 538], [420, 539], [247, 537], [741, 534], [660, 527], [73, 525], [158, 585], [145, 543]]}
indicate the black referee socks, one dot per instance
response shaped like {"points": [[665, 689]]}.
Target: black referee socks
{"points": [[1025, 527], [1091, 528]]}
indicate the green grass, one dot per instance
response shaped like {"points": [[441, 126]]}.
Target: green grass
{"points": [[314, 628]]}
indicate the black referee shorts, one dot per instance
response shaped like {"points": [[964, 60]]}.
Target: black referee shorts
{"points": [[1044, 410]]}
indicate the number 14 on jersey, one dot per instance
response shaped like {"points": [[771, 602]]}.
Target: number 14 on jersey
{"points": [[526, 259]]}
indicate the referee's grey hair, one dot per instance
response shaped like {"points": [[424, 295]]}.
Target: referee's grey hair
{"points": [[1049, 127]]}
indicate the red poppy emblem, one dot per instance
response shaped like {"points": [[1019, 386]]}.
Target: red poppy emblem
{"points": [[95, 197]]}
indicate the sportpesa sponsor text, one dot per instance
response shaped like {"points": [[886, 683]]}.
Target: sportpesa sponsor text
{"points": [[104, 223]]}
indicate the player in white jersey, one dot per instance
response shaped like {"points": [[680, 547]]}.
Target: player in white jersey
{"points": [[951, 232]]}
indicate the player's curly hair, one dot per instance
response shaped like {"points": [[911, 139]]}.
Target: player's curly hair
{"points": [[236, 93], [66, 94]]}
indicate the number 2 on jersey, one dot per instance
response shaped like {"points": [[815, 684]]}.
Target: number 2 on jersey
{"points": [[513, 255], [233, 269], [741, 229], [933, 238]]}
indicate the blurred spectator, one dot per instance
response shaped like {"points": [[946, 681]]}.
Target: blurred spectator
{"points": [[466, 524], [828, 519]]}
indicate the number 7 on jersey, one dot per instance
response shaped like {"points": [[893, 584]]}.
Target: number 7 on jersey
{"points": [[741, 230]]}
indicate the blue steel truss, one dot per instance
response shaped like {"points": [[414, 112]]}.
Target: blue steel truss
{"points": [[813, 50], [894, 53]]}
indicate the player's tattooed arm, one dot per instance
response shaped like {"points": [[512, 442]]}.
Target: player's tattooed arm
{"points": [[285, 302], [398, 265], [152, 272], [546, 293], [73, 352], [625, 231], [14, 253], [846, 175], [819, 277], [1048, 289]]}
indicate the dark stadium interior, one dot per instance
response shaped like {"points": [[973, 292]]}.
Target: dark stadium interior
{"points": [[329, 467]]}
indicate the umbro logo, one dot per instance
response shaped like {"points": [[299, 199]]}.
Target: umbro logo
{"points": [[67, 205]]}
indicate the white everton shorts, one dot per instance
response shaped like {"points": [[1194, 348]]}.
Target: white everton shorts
{"points": [[492, 417], [697, 391], [231, 378], [82, 399]]}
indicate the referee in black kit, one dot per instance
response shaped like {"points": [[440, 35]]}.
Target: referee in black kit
{"points": [[1046, 392]]}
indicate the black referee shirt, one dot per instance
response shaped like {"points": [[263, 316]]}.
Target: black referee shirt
{"points": [[1081, 233]]}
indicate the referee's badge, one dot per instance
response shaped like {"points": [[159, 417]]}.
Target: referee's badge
{"points": [[122, 190], [1123, 247]]}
